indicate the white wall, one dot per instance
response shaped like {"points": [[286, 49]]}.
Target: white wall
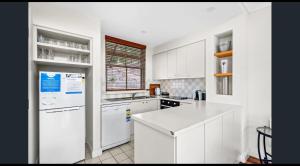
{"points": [[48, 14], [251, 70], [259, 74], [33, 101]]}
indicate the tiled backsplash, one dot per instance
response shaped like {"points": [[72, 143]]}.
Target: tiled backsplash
{"points": [[176, 87], [182, 87]]}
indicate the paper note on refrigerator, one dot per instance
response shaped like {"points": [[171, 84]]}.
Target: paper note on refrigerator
{"points": [[50, 82], [73, 84]]}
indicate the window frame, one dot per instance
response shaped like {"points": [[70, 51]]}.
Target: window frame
{"points": [[143, 69]]}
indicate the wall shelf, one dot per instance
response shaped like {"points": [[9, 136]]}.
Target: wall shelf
{"points": [[63, 48], [223, 74], [60, 48], [224, 54], [223, 63], [61, 63]]}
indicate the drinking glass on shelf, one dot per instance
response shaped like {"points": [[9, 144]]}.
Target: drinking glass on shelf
{"points": [[84, 46], [72, 44], [70, 58], [45, 40], [47, 53], [60, 42], [41, 38], [78, 58], [77, 45], [39, 53], [51, 41], [51, 54], [82, 59]]}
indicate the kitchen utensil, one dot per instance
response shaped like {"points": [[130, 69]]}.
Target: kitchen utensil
{"points": [[197, 95], [157, 91], [203, 95], [41, 38], [224, 66], [165, 94], [152, 88], [225, 45]]}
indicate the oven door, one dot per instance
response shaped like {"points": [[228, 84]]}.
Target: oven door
{"points": [[164, 106]]}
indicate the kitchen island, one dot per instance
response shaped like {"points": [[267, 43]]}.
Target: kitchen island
{"points": [[200, 132]]}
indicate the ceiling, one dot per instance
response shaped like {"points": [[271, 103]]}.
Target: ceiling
{"points": [[154, 23]]}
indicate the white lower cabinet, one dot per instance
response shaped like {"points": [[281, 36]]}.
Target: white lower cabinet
{"points": [[214, 141], [137, 107], [187, 150]]}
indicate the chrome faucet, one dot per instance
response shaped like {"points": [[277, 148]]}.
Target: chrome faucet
{"points": [[133, 95]]}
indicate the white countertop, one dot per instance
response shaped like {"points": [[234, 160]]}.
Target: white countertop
{"points": [[175, 120], [105, 102]]}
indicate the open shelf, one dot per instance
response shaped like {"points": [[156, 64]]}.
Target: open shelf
{"points": [[62, 63], [223, 62], [60, 48], [224, 54], [223, 74], [63, 48]]}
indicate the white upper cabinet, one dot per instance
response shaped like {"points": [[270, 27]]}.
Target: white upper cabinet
{"points": [[196, 60], [183, 62], [160, 62], [172, 63], [182, 55]]}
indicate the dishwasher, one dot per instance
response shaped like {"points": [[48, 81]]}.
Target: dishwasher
{"points": [[115, 125]]}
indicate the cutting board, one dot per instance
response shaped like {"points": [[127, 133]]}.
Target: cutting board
{"points": [[152, 88]]}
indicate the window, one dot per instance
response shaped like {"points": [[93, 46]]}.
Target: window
{"points": [[125, 65]]}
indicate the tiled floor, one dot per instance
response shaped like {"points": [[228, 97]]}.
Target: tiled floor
{"points": [[122, 154]]}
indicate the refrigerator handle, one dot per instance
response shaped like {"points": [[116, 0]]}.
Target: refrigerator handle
{"points": [[73, 109], [53, 112]]}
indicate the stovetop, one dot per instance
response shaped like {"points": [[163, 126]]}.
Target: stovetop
{"points": [[176, 97]]}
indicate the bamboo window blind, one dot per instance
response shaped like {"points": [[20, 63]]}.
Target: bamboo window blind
{"points": [[125, 65]]}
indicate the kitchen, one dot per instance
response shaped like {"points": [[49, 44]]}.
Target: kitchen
{"points": [[154, 81]]}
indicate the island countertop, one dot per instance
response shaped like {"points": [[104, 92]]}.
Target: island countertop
{"points": [[175, 120]]}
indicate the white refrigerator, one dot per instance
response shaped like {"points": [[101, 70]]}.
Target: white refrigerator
{"points": [[61, 117]]}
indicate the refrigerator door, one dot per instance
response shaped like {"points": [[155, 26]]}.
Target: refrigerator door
{"points": [[61, 90], [62, 135]]}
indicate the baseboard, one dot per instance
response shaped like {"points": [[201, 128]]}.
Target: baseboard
{"points": [[243, 157], [115, 144], [37, 160], [94, 152]]}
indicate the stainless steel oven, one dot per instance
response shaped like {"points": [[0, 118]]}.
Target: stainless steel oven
{"points": [[168, 103]]}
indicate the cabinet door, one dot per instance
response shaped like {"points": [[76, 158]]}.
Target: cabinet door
{"points": [[150, 105], [172, 63], [213, 141], [190, 146], [182, 62], [142, 106], [229, 138], [160, 66], [135, 108], [196, 60], [155, 66]]}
